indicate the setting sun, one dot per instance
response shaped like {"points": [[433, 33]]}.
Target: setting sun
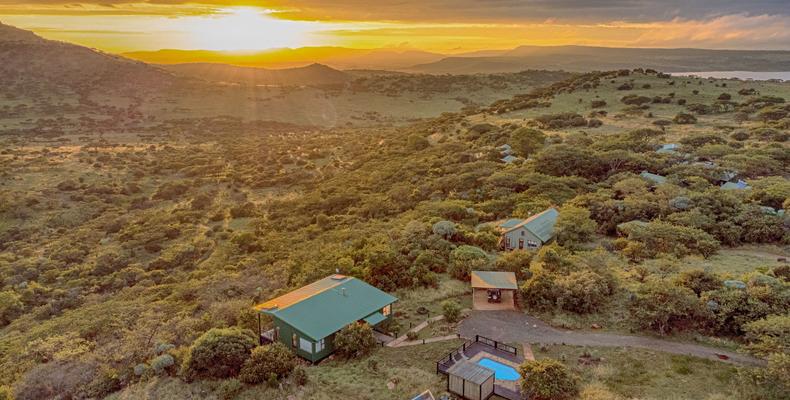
{"points": [[246, 28]]}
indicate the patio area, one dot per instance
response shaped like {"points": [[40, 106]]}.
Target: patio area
{"points": [[481, 347]]}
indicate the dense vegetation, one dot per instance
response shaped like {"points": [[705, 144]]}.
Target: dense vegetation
{"points": [[128, 257]]}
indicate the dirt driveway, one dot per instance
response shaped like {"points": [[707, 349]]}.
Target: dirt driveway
{"points": [[514, 326]]}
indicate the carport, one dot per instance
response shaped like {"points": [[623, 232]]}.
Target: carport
{"points": [[494, 290]]}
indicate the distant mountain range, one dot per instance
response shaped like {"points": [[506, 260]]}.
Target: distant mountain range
{"points": [[568, 58], [585, 58], [336, 57]]}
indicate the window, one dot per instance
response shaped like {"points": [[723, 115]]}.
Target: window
{"points": [[523, 233], [306, 345], [532, 243], [319, 347], [294, 340], [386, 310]]}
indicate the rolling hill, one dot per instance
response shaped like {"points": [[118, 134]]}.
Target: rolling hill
{"points": [[314, 74], [31, 61]]}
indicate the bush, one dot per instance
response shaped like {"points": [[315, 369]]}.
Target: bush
{"points": [[228, 389], [769, 383], [684, 119], [769, 335], [526, 141], [162, 363], [548, 380], [464, 259], [445, 229], [354, 340], [219, 353], [574, 226], [299, 376], [581, 291], [663, 307], [274, 358], [598, 103], [451, 310], [699, 281]]}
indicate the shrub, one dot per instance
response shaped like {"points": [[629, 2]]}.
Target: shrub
{"points": [[526, 141], [581, 291], [229, 388], [354, 340], [598, 103], [299, 376], [162, 363], [769, 383], [515, 261], [464, 259], [663, 307], [451, 310], [548, 380], [417, 142], [445, 229], [684, 119], [633, 99], [274, 358], [769, 335], [574, 226], [219, 353], [699, 281]]}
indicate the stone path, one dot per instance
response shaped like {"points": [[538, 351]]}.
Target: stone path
{"points": [[513, 326]]}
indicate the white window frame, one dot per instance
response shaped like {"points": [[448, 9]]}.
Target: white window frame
{"points": [[387, 310], [305, 345], [319, 346]]}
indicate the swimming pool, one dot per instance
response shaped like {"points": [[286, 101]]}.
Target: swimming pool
{"points": [[502, 372]]}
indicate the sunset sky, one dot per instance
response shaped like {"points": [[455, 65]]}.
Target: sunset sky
{"points": [[447, 26]]}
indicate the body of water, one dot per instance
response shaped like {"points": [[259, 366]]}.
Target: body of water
{"points": [[745, 75]]}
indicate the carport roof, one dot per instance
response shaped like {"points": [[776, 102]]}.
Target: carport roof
{"points": [[494, 280]]}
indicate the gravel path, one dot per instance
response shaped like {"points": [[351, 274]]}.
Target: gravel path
{"points": [[513, 326]]}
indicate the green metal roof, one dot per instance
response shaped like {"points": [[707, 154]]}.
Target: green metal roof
{"points": [[326, 306], [541, 225], [374, 319], [494, 280]]}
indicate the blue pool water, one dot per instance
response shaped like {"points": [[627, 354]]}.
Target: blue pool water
{"points": [[501, 371]]}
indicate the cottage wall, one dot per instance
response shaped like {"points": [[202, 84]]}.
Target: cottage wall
{"points": [[520, 234]]}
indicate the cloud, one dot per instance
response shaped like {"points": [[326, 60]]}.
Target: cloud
{"points": [[450, 10]]}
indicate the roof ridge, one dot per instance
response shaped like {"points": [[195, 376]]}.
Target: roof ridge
{"points": [[337, 283], [528, 220]]}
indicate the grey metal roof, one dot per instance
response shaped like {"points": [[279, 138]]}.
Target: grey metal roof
{"points": [[541, 225], [471, 372], [653, 177]]}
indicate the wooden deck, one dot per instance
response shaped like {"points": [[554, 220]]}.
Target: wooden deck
{"points": [[484, 347]]}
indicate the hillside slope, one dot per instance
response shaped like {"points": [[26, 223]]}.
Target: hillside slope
{"points": [[31, 61]]}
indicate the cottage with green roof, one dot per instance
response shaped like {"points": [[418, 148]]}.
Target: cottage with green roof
{"points": [[307, 318], [529, 233]]}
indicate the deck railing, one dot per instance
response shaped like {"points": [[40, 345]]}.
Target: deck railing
{"points": [[447, 361], [497, 345]]}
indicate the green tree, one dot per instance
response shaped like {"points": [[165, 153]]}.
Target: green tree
{"points": [[663, 307], [355, 340], [548, 379], [218, 353], [451, 310], [465, 259], [517, 261], [574, 226], [526, 141], [274, 358]]}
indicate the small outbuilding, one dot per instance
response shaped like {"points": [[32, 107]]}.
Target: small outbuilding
{"points": [[494, 290], [470, 381]]}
